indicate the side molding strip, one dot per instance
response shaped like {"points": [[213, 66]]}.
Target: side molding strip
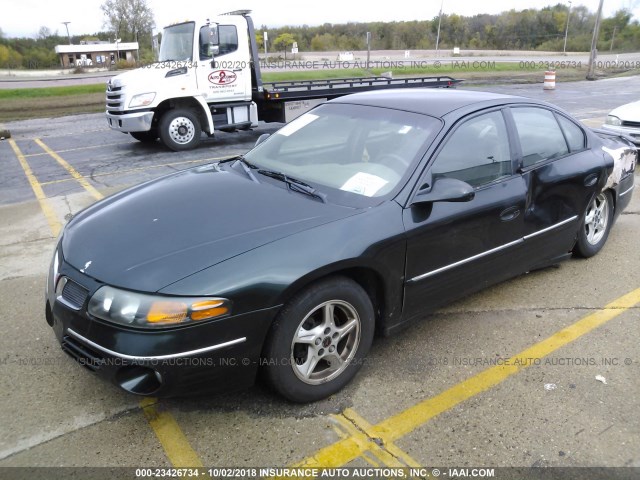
{"points": [[489, 252]]}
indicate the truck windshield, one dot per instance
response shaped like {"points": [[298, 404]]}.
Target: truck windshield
{"points": [[355, 154], [177, 43]]}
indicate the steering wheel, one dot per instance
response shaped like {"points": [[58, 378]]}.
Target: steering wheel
{"points": [[393, 161]]}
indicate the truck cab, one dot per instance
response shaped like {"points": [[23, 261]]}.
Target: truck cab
{"points": [[201, 82], [208, 78]]}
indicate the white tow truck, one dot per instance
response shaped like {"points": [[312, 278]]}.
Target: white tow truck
{"points": [[208, 79]]}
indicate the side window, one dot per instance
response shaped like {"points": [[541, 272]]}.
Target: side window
{"points": [[228, 41], [477, 152], [540, 135], [573, 133]]}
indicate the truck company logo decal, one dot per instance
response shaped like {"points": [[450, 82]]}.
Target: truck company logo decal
{"points": [[222, 77]]}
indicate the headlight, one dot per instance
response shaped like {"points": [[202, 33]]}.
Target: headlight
{"points": [[613, 120], [153, 311], [142, 100]]}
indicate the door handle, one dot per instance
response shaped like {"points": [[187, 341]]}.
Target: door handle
{"points": [[510, 213], [590, 180]]}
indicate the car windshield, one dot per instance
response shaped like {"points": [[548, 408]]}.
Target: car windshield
{"points": [[177, 43], [348, 150]]}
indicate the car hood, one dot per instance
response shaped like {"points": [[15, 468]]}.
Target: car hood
{"points": [[151, 236], [630, 111]]}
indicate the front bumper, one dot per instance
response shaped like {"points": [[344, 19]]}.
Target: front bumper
{"points": [[209, 357], [130, 122]]}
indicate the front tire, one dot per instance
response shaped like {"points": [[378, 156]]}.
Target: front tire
{"points": [[595, 226], [319, 339], [180, 129]]}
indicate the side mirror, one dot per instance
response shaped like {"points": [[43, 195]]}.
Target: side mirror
{"points": [[209, 36], [261, 139], [210, 42], [446, 190]]}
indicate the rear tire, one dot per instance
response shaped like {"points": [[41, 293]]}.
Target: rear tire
{"points": [[180, 129], [145, 137], [595, 225], [319, 340]]}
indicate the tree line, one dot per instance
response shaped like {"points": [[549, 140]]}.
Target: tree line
{"points": [[530, 29], [127, 20]]}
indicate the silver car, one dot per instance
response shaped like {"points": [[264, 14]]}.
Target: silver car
{"points": [[626, 120]]}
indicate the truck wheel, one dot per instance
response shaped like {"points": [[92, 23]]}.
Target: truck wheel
{"points": [[180, 129], [145, 137]]}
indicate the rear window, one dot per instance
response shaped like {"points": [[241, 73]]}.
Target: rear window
{"points": [[540, 136], [573, 133]]}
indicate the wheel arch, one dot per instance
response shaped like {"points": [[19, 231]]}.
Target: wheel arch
{"points": [[369, 278], [197, 104], [614, 198]]}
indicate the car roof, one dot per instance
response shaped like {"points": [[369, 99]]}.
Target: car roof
{"points": [[436, 102]]}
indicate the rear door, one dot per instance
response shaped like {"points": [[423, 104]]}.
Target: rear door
{"points": [[454, 248], [561, 174]]}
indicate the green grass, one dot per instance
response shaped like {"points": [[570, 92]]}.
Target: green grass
{"points": [[294, 76], [14, 93]]}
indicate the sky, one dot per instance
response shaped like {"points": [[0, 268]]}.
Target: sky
{"points": [[25, 17]]}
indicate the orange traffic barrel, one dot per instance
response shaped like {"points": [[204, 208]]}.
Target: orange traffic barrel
{"points": [[549, 80]]}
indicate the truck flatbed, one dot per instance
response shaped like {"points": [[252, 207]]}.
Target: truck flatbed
{"points": [[332, 88]]}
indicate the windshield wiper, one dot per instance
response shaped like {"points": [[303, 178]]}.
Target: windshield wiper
{"points": [[246, 166], [295, 184]]}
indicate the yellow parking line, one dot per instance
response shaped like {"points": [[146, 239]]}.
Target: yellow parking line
{"points": [[52, 219], [378, 451], [90, 147], [72, 171], [343, 432], [399, 425], [148, 167], [173, 441], [393, 449]]}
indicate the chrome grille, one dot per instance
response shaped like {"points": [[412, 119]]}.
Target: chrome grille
{"points": [[627, 123], [115, 99]]}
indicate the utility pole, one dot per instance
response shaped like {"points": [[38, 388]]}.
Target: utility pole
{"points": [[566, 30], [594, 44], [439, 23], [368, 48], [66, 24]]}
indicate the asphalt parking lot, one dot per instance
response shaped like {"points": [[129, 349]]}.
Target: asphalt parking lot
{"points": [[429, 396]]}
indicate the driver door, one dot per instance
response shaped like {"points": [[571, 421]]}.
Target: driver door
{"points": [[228, 79], [454, 248]]}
